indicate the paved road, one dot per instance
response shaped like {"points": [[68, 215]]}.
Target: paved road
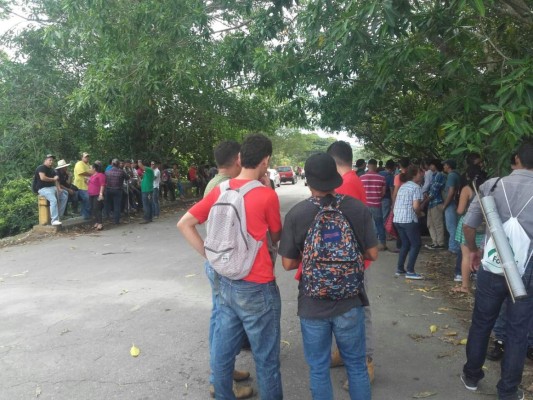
{"points": [[71, 307]]}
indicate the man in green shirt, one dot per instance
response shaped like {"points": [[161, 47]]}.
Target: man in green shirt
{"points": [[147, 189]]}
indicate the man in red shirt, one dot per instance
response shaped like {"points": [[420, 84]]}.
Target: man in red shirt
{"points": [[253, 304], [351, 184], [375, 187]]}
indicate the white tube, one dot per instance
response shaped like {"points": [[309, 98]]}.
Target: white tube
{"points": [[505, 252]]}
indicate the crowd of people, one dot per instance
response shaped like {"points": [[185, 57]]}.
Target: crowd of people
{"points": [[336, 304], [97, 191]]}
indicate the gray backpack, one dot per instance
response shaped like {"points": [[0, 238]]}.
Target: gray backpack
{"points": [[229, 248]]}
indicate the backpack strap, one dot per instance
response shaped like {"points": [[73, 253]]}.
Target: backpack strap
{"points": [[248, 186], [507, 200]]}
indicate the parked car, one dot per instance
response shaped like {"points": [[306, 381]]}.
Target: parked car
{"points": [[287, 174], [275, 180]]}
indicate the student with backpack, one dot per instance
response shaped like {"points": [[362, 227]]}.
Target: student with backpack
{"points": [[248, 296], [330, 235], [513, 196]]}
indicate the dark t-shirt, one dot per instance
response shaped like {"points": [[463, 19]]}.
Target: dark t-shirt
{"points": [[48, 172], [297, 223]]}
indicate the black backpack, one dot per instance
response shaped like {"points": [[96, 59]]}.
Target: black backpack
{"points": [[35, 183]]}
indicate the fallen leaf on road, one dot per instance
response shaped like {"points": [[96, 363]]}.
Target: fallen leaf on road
{"points": [[421, 290], [428, 297], [64, 331], [446, 354], [37, 391], [443, 309], [124, 291], [423, 395], [433, 328], [451, 333], [21, 274], [438, 313], [134, 351], [190, 275]]}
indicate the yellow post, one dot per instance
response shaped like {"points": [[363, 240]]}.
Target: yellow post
{"points": [[44, 211]]}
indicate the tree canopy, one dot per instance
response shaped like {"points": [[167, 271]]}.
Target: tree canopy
{"points": [[169, 79]]}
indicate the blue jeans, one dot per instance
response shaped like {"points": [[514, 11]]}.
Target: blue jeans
{"points": [[254, 308], [155, 203], [411, 243], [450, 218], [377, 216], [147, 205], [213, 280], [56, 210], [83, 195], [501, 322], [385, 208], [349, 331], [491, 293]]}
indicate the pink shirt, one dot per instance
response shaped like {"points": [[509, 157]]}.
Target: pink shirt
{"points": [[374, 184], [95, 182]]}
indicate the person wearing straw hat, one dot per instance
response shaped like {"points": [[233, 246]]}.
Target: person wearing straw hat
{"points": [[64, 182], [48, 186]]}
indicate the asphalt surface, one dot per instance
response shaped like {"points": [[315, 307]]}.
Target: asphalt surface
{"points": [[71, 306]]}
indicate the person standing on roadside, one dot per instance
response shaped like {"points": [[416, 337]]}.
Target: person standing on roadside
{"points": [[513, 196], [435, 216], [406, 210], [155, 196], [115, 178], [451, 189], [82, 172], [47, 185], [251, 305], [96, 188], [227, 158], [147, 191], [375, 188], [321, 318], [342, 153]]}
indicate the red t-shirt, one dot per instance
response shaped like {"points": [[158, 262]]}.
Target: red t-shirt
{"points": [[262, 215], [96, 181], [373, 184], [352, 186], [192, 174]]}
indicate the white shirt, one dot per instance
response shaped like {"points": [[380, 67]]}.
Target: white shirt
{"points": [[157, 178]]}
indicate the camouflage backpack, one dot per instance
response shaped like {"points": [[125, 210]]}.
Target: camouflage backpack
{"points": [[333, 266]]}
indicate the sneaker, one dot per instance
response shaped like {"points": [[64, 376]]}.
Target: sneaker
{"points": [[56, 223], [519, 394], [458, 278], [400, 273], [470, 384], [530, 353], [336, 359], [369, 367], [240, 392], [496, 352], [414, 276], [430, 246], [240, 375]]}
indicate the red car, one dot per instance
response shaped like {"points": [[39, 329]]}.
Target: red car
{"points": [[287, 174]]}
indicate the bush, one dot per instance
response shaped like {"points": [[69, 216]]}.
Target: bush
{"points": [[18, 207]]}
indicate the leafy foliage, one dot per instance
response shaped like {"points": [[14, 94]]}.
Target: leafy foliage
{"points": [[18, 207]]}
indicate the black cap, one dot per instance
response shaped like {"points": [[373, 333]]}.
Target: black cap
{"points": [[321, 172], [50, 156]]}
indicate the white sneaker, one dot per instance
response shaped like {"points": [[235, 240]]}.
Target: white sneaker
{"points": [[458, 278], [56, 223]]}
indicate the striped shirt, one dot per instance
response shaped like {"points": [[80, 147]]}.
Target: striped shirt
{"points": [[374, 184], [404, 212]]}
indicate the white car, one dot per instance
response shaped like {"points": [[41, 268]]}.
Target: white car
{"points": [[275, 180]]}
